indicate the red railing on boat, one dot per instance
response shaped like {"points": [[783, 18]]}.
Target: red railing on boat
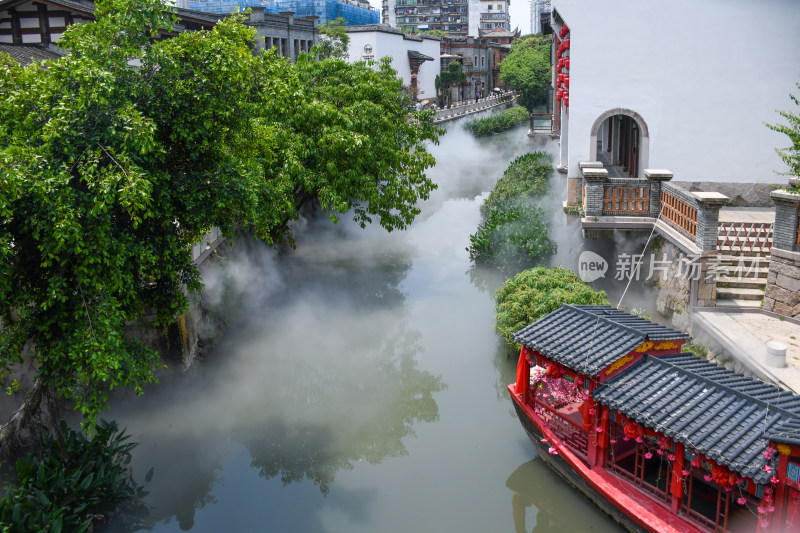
{"points": [[568, 431]]}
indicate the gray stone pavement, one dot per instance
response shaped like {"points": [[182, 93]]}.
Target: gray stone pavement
{"points": [[765, 215], [744, 336]]}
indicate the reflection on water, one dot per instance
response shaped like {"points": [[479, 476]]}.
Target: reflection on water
{"points": [[359, 387]]}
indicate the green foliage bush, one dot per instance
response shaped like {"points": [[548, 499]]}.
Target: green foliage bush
{"points": [[513, 234], [71, 489], [526, 176], [501, 122], [534, 293]]}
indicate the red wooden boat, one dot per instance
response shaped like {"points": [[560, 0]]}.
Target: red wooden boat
{"points": [[659, 439]]}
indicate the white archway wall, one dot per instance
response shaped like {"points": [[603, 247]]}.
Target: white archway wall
{"points": [[644, 136], [705, 84]]}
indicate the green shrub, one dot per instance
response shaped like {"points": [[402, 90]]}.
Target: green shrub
{"points": [[534, 293], [70, 489], [526, 176], [501, 122], [513, 235]]}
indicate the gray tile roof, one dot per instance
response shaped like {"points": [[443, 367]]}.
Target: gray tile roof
{"points": [[25, 55], [587, 338], [726, 416]]}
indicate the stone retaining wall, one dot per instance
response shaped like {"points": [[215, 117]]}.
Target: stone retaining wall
{"points": [[782, 295]]}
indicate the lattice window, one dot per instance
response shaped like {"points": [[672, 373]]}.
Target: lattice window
{"points": [[632, 200], [679, 213]]}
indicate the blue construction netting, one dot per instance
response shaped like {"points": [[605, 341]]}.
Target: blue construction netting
{"points": [[325, 10]]}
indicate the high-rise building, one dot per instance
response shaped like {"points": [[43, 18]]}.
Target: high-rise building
{"points": [[355, 12], [457, 18]]}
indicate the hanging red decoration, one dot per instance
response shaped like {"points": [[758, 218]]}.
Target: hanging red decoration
{"points": [[566, 62], [566, 81], [566, 44], [721, 475], [558, 95], [555, 371], [633, 430], [566, 100]]}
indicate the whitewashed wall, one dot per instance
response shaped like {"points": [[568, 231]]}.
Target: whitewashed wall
{"points": [[704, 75], [396, 46]]}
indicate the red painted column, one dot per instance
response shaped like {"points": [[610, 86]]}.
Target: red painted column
{"points": [[779, 495], [523, 375], [677, 478]]}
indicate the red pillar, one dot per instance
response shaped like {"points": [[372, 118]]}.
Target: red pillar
{"points": [[677, 478], [523, 375]]}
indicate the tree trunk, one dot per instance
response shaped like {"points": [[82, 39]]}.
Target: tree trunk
{"points": [[21, 419]]}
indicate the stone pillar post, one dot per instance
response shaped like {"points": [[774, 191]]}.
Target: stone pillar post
{"points": [[782, 295], [656, 177], [708, 219], [595, 179], [787, 213]]}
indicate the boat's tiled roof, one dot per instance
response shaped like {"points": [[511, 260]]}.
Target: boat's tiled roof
{"points": [[587, 338], [726, 416]]}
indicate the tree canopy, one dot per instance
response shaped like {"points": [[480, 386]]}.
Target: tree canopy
{"points": [[527, 68], [790, 154], [534, 293], [452, 77], [119, 156], [333, 40]]}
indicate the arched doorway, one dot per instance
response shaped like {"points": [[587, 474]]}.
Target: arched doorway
{"points": [[621, 141]]}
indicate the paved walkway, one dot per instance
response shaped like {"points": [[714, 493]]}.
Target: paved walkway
{"points": [[744, 335], [762, 215]]}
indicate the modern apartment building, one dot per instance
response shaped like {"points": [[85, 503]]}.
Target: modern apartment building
{"points": [[457, 18], [355, 12]]}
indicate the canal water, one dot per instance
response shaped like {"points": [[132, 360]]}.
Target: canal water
{"points": [[359, 386]]}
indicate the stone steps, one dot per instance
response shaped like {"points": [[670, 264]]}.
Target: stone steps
{"points": [[741, 282], [746, 304], [725, 293]]}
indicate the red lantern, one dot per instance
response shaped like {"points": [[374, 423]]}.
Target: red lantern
{"points": [[566, 62], [566, 80], [566, 44], [566, 99], [558, 53], [558, 95]]}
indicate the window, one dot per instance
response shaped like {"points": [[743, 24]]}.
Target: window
{"points": [[483, 60]]}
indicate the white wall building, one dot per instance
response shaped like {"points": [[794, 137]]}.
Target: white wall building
{"points": [[377, 41], [685, 85]]}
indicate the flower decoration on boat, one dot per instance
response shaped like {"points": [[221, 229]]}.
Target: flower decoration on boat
{"points": [[648, 455], [538, 374], [741, 500]]}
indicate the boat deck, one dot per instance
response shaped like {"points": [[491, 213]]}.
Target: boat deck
{"points": [[639, 507]]}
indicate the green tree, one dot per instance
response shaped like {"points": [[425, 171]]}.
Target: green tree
{"points": [[108, 175], [333, 40], [534, 293], [452, 77], [527, 68], [791, 154]]}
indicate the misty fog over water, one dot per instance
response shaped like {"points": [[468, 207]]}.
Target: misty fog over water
{"points": [[360, 386]]}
